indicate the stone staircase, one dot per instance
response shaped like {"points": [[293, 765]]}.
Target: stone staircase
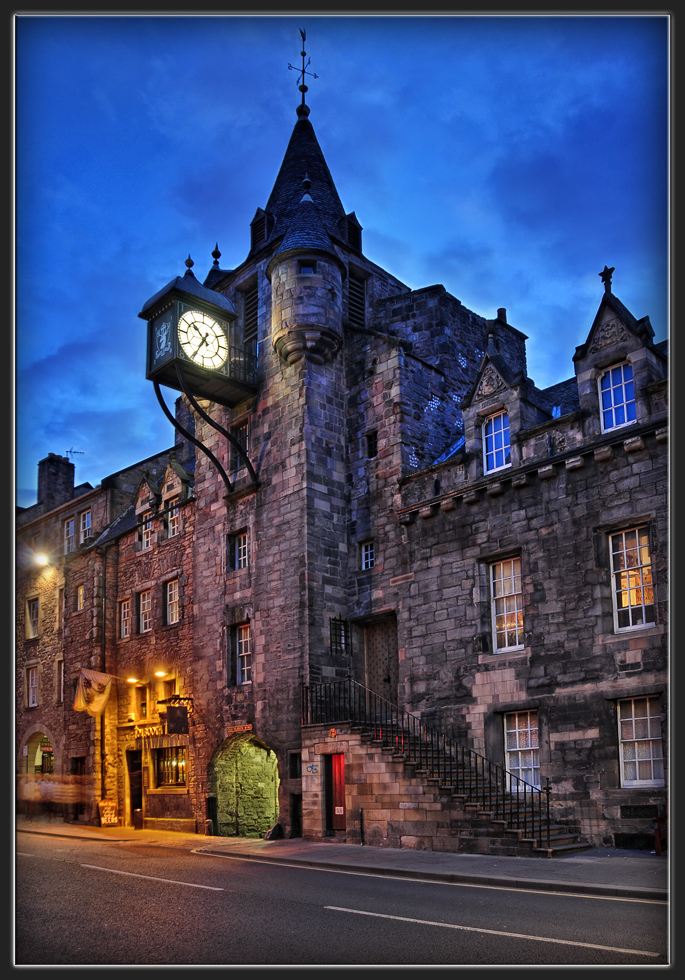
{"points": [[480, 830], [410, 786]]}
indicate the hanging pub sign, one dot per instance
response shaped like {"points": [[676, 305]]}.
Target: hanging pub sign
{"points": [[177, 719]]}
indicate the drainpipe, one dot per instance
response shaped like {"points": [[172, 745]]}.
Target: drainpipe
{"points": [[103, 668]]}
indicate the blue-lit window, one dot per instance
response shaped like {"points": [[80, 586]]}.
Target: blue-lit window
{"points": [[617, 394], [497, 446]]}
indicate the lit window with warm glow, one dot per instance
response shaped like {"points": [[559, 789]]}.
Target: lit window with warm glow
{"points": [[633, 590]]}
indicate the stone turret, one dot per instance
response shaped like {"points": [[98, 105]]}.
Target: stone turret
{"points": [[306, 278]]}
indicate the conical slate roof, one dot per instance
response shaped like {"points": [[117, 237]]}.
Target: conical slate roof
{"points": [[305, 229], [303, 156]]}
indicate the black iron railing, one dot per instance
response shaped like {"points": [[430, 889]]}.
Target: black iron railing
{"points": [[462, 770]]}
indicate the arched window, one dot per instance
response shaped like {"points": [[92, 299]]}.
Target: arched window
{"points": [[496, 443], [617, 396]]}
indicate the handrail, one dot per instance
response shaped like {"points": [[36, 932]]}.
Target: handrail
{"points": [[464, 771]]}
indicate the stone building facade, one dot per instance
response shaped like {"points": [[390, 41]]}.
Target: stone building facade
{"points": [[487, 558]]}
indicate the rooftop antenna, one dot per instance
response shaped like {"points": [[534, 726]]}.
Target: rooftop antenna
{"points": [[302, 87], [73, 452]]}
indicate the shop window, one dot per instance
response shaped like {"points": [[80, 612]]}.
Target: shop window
{"points": [[170, 766]]}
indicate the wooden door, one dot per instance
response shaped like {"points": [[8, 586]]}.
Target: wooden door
{"points": [[335, 792], [380, 651]]}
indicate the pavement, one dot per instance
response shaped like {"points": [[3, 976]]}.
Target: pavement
{"points": [[596, 871]]}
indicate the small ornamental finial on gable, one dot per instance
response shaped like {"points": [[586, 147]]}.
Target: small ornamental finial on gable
{"points": [[302, 86], [216, 255], [606, 274]]}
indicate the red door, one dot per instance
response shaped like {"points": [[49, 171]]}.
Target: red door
{"points": [[336, 791]]}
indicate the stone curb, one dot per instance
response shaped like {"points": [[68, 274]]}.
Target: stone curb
{"points": [[586, 888]]}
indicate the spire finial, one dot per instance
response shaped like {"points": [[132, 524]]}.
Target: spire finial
{"points": [[216, 255], [189, 262], [302, 86], [606, 274]]}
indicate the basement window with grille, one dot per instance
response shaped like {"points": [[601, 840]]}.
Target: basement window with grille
{"points": [[356, 301], [339, 636]]}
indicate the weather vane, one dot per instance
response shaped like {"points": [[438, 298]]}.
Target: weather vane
{"points": [[302, 87]]}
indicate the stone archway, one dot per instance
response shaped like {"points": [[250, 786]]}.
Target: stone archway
{"points": [[244, 784]]}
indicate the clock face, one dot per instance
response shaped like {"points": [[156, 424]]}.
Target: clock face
{"points": [[202, 339]]}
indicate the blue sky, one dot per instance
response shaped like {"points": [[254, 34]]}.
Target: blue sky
{"points": [[509, 158]]}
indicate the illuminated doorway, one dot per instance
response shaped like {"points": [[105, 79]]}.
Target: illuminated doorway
{"points": [[244, 783]]}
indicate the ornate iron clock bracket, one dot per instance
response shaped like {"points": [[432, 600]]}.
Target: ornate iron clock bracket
{"points": [[231, 439], [177, 425]]}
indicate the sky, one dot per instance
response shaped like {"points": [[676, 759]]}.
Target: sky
{"points": [[509, 158]]}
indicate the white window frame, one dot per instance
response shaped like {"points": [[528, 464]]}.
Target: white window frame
{"points": [[640, 742], [145, 610], [522, 748], [243, 651], [124, 619], [368, 555], [80, 598], [173, 518], [32, 618], [620, 396], [32, 687], [69, 535], [242, 550], [506, 604], [146, 531], [496, 443], [173, 607], [632, 583], [85, 528]]}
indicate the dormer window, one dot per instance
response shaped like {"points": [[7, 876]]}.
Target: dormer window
{"points": [[496, 442], [146, 531], [617, 396]]}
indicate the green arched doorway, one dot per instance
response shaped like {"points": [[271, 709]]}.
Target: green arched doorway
{"points": [[244, 784]]}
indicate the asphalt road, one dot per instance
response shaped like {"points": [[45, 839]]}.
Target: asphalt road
{"points": [[128, 903]]}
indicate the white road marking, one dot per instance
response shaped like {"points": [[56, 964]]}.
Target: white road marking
{"points": [[494, 932], [431, 881], [24, 854], [168, 881]]}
